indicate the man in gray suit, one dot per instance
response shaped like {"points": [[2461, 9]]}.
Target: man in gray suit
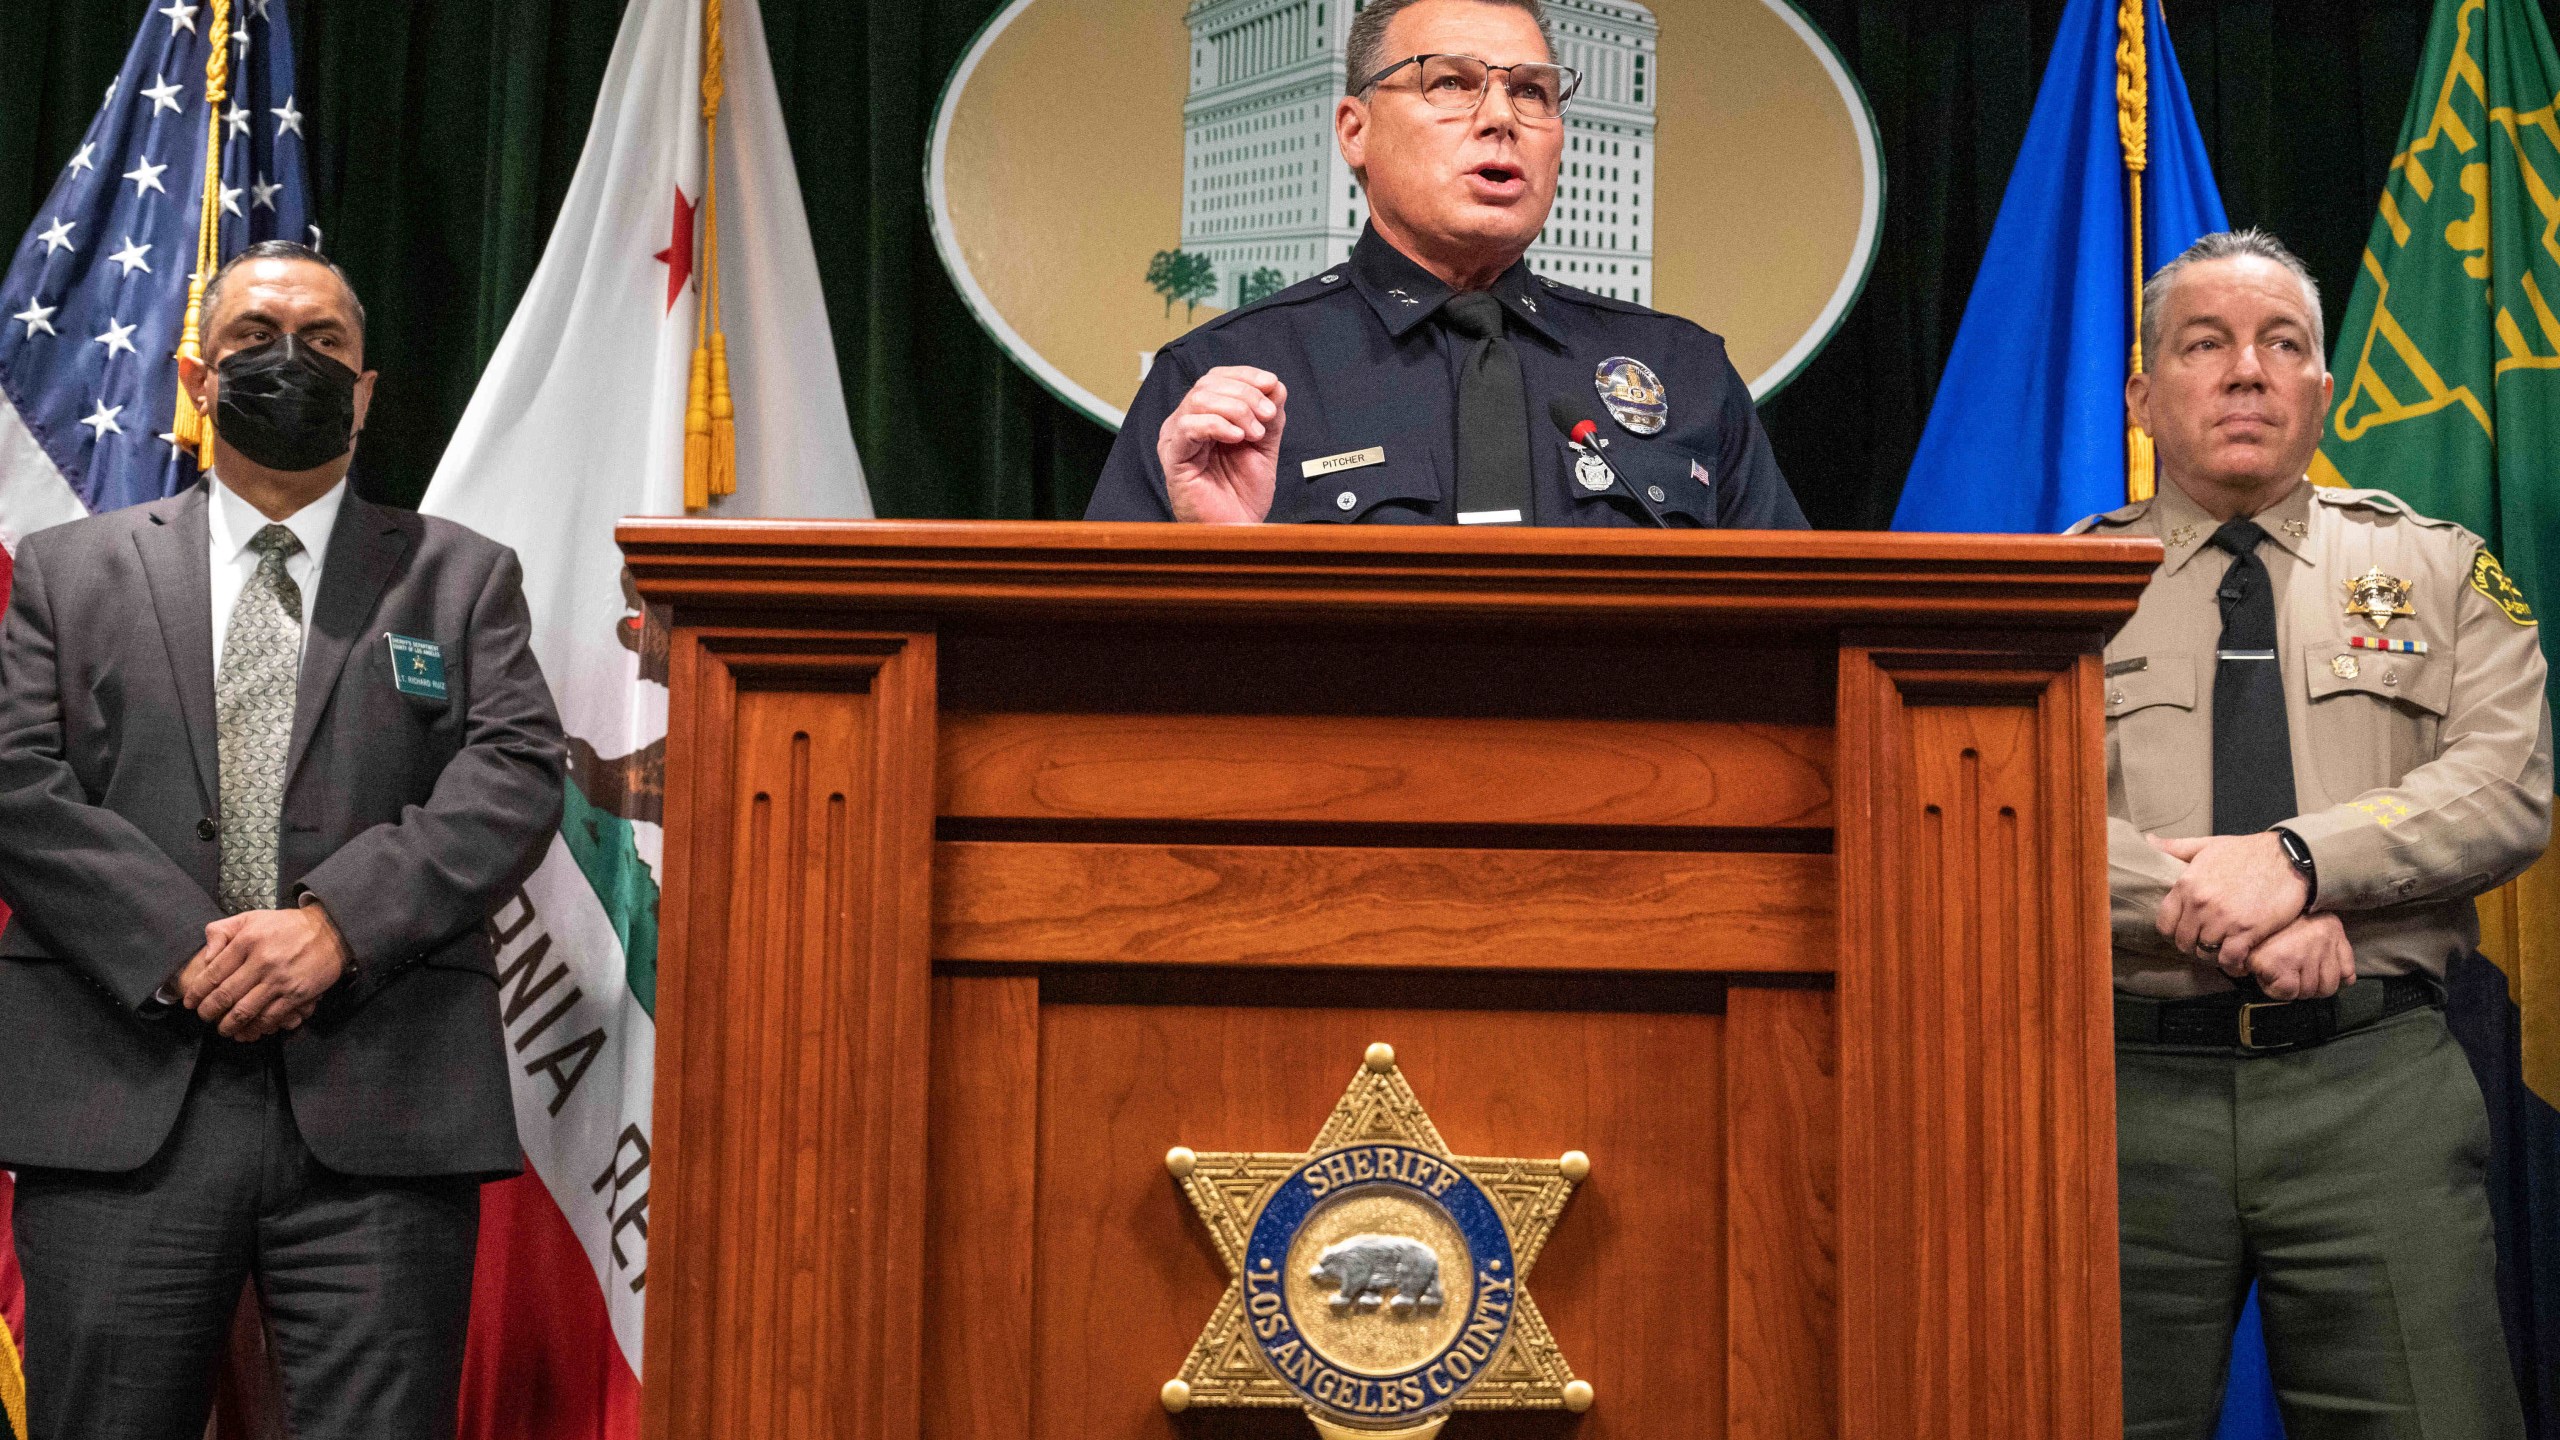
{"points": [[269, 758]]}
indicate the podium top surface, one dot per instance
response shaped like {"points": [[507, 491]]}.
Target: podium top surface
{"points": [[1029, 570]]}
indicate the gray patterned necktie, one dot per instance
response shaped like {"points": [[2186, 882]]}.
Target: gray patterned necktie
{"points": [[253, 708]]}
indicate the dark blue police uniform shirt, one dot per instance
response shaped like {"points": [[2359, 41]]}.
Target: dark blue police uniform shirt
{"points": [[1367, 365]]}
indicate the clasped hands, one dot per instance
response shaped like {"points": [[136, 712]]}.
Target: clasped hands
{"points": [[2239, 906], [263, 971]]}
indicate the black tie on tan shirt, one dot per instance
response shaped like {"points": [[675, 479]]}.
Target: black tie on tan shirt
{"points": [[1493, 417], [2252, 737]]}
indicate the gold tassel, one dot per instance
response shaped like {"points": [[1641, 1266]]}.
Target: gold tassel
{"points": [[724, 421], [2133, 136], [190, 426], [711, 424], [697, 432], [2140, 473]]}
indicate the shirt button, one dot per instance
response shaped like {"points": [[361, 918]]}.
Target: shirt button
{"points": [[207, 828], [1345, 500], [1655, 493], [2390, 677], [2116, 698]]}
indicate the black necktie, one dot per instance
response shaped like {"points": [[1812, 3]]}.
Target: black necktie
{"points": [[1493, 417], [2252, 741]]}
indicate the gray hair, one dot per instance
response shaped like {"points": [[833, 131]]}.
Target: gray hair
{"points": [[2252, 243], [1369, 36], [279, 250]]}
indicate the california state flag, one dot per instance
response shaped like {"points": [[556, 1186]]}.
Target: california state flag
{"points": [[579, 420]]}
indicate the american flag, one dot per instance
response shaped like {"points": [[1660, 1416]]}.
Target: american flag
{"points": [[94, 299], [96, 293]]}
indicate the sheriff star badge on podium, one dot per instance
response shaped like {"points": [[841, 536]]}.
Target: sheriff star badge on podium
{"points": [[1380, 1282]]}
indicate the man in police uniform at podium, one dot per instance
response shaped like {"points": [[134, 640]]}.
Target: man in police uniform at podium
{"points": [[2326, 733], [1432, 378]]}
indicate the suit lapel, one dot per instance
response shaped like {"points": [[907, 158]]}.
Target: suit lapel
{"points": [[180, 574], [365, 547]]}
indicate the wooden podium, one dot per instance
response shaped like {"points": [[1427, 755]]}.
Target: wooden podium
{"points": [[1767, 869]]}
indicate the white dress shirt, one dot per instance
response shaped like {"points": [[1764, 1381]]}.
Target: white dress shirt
{"points": [[233, 522]]}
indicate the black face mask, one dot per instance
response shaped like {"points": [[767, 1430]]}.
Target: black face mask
{"points": [[285, 405]]}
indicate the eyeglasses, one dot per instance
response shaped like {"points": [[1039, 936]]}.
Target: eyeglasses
{"points": [[1456, 82]]}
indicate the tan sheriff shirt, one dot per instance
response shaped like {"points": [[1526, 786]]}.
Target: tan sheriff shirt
{"points": [[2422, 779]]}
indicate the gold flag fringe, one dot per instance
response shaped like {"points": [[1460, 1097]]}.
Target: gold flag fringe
{"points": [[13, 1385], [710, 419], [191, 428]]}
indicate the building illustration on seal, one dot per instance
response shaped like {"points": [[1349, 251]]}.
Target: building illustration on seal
{"points": [[1267, 200]]}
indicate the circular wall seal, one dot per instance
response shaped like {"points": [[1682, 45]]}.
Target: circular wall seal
{"points": [[1720, 164], [1379, 1284]]}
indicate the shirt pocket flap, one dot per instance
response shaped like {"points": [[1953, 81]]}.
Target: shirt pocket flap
{"points": [[2162, 680], [1345, 496], [2331, 667], [1663, 478]]}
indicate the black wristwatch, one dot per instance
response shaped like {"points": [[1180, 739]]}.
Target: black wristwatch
{"points": [[2298, 851]]}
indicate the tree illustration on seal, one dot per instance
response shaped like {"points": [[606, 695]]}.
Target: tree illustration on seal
{"points": [[1181, 275]]}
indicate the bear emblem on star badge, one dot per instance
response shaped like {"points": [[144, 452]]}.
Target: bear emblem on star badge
{"points": [[1379, 1280]]}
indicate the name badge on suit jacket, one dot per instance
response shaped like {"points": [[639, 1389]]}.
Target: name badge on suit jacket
{"points": [[417, 667]]}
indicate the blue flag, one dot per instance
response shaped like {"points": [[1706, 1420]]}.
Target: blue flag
{"points": [[2027, 433], [96, 293]]}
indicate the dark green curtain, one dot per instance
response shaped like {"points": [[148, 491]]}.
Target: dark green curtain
{"points": [[444, 133]]}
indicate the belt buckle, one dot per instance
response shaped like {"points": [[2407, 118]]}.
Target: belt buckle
{"points": [[2247, 1012]]}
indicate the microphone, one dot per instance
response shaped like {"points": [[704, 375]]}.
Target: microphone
{"points": [[1573, 420], [1592, 471]]}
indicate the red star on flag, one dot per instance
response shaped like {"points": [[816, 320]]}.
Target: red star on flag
{"points": [[678, 256]]}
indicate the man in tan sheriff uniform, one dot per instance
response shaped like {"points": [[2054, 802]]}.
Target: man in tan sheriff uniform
{"points": [[2303, 798]]}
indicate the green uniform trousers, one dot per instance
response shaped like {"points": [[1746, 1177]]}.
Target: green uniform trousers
{"points": [[2346, 1179]]}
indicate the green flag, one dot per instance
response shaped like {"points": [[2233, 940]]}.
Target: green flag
{"points": [[2448, 365], [2448, 374]]}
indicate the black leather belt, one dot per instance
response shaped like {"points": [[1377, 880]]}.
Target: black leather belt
{"points": [[2247, 1020]]}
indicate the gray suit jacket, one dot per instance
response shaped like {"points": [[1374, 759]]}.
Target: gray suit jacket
{"points": [[411, 819]]}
